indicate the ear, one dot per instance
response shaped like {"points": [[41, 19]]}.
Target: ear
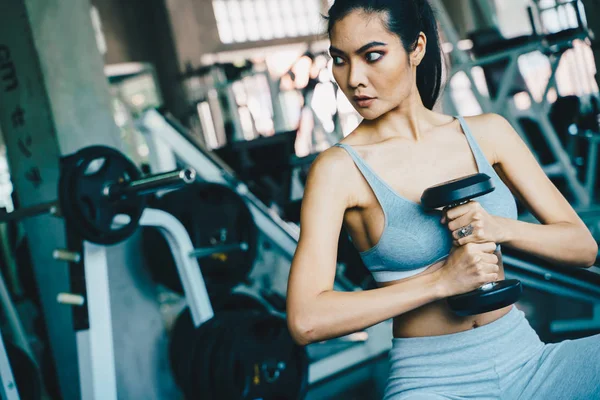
{"points": [[419, 52]]}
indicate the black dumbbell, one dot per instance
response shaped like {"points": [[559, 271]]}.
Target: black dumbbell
{"points": [[493, 295]]}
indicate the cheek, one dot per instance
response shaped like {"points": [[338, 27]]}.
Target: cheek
{"points": [[392, 77]]}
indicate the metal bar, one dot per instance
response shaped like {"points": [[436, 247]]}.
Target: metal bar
{"points": [[207, 251], [576, 186], [549, 275], [8, 387], [571, 325], [189, 271], [280, 232], [379, 342], [32, 211], [152, 184], [507, 80], [95, 346], [536, 45], [592, 161], [551, 287], [13, 320], [447, 25]]}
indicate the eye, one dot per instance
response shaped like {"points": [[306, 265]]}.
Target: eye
{"points": [[337, 60], [374, 56]]}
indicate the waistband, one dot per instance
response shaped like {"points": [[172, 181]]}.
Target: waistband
{"points": [[508, 336]]}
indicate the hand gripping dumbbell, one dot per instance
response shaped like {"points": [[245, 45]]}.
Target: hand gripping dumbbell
{"points": [[492, 295]]}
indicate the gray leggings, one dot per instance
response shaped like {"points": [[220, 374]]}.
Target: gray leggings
{"points": [[501, 360]]}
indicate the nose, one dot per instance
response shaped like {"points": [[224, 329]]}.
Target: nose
{"points": [[357, 76]]}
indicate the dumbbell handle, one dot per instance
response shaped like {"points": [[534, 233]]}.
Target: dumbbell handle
{"points": [[151, 184]]}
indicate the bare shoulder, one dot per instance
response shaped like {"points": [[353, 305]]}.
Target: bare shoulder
{"points": [[330, 172], [331, 164], [493, 133]]}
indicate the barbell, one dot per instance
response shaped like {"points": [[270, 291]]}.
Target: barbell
{"points": [[101, 194]]}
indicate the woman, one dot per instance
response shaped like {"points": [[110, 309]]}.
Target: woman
{"points": [[387, 61]]}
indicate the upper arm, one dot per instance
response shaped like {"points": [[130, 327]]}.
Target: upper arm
{"points": [[521, 172], [323, 205]]}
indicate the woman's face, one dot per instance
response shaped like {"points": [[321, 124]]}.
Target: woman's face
{"points": [[370, 64]]}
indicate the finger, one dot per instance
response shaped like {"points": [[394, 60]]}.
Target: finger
{"points": [[468, 239], [485, 247], [490, 258], [458, 211], [461, 221], [491, 277]]}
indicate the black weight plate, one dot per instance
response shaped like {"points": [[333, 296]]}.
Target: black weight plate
{"points": [[228, 382], [293, 379], [198, 344], [212, 214], [26, 375], [269, 351], [181, 338], [84, 206], [237, 301], [504, 293], [203, 375], [457, 190]]}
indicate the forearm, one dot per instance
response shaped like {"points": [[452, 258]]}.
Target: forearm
{"points": [[563, 243], [333, 314]]}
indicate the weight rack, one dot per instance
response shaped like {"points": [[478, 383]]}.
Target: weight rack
{"points": [[169, 141]]}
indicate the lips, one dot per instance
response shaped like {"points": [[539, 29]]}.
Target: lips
{"points": [[363, 101]]}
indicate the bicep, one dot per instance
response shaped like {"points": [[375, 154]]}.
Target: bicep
{"points": [[521, 172], [323, 206]]}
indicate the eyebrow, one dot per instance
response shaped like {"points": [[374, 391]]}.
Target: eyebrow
{"points": [[363, 49]]}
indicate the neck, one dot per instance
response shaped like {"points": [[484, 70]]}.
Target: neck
{"points": [[407, 121]]}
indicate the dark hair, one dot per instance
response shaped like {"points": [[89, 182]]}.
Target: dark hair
{"points": [[406, 18]]}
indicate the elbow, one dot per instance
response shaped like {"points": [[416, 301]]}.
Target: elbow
{"points": [[587, 251], [302, 328], [592, 254]]}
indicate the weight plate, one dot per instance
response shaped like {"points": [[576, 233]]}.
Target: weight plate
{"points": [[213, 215], [244, 354], [91, 214], [502, 294], [238, 301], [457, 191], [275, 366]]}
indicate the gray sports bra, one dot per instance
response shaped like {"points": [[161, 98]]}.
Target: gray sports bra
{"points": [[413, 239]]}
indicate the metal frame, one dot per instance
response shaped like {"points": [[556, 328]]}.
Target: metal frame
{"points": [[8, 388], [162, 135], [502, 104], [95, 346], [560, 284]]}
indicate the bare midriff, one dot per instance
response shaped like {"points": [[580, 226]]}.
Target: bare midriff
{"points": [[436, 318]]}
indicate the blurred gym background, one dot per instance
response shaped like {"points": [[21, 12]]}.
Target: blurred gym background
{"points": [[241, 92]]}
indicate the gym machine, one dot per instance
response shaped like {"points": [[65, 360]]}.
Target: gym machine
{"points": [[170, 143], [101, 198]]}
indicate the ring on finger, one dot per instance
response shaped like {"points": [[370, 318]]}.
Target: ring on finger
{"points": [[465, 231]]}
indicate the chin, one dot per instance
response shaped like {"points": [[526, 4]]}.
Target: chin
{"points": [[369, 115]]}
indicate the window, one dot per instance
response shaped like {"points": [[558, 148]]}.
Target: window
{"points": [[241, 21]]}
